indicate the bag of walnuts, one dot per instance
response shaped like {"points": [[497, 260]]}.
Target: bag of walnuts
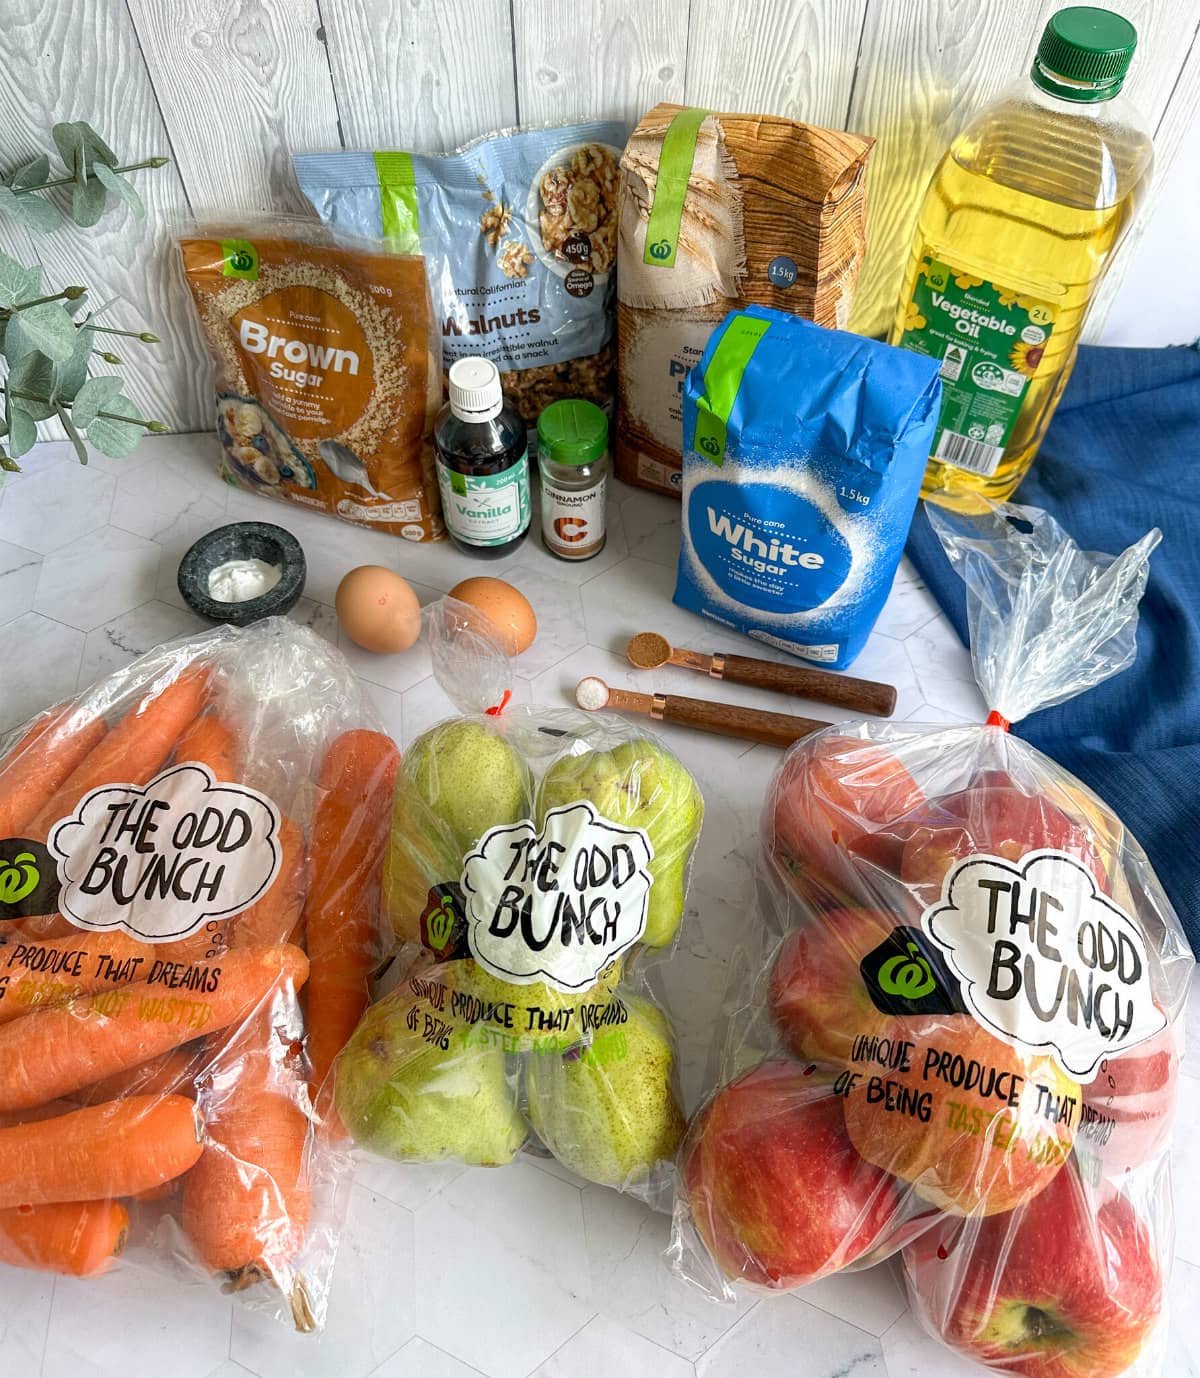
{"points": [[519, 234], [719, 212], [962, 1036]]}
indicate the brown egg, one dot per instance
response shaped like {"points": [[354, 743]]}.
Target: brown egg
{"points": [[504, 606], [378, 610]]}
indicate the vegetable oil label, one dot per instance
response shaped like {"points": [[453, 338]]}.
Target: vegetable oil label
{"points": [[572, 519], [560, 903], [485, 509], [990, 341], [160, 861], [1046, 961]]}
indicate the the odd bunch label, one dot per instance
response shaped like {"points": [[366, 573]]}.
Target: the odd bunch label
{"points": [[558, 904], [1045, 960], [160, 861]]}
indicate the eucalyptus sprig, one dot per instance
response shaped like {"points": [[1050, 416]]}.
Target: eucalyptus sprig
{"points": [[48, 338], [92, 171]]}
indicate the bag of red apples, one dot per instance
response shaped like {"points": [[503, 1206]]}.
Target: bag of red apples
{"points": [[960, 1035]]}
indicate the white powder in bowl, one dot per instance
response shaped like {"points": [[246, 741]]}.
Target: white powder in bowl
{"points": [[237, 581]]}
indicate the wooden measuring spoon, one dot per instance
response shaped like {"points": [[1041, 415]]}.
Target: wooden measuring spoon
{"points": [[725, 719], [648, 650]]}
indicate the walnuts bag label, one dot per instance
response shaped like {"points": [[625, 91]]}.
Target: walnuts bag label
{"points": [[327, 375], [519, 235]]}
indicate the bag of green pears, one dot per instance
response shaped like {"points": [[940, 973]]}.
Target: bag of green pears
{"points": [[536, 871]]}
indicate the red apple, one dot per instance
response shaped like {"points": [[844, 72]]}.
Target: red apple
{"points": [[1067, 1286], [777, 1192], [817, 996], [830, 792], [1130, 1105], [976, 1126], [993, 816]]}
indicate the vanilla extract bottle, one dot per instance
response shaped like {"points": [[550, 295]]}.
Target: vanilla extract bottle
{"points": [[482, 463]]}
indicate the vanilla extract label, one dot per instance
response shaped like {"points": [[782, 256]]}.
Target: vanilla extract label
{"points": [[1045, 960], [159, 861], [560, 903]]}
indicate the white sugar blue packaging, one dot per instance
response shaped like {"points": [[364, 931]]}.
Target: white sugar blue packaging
{"points": [[804, 450]]}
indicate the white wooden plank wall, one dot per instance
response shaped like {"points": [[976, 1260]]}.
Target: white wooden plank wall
{"points": [[230, 88]]}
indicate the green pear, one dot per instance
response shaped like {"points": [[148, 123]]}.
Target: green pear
{"points": [[403, 1098], [641, 785], [525, 1017], [608, 1113], [458, 780]]}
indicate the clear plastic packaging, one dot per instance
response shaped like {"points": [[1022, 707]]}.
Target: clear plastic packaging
{"points": [[535, 874], [185, 848], [955, 1033]]}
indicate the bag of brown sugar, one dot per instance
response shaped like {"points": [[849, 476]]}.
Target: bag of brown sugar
{"points": [[717, 212], [328, 372]]}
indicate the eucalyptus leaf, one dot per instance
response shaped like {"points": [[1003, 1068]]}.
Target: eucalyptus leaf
{"points": [[73, 435], [87, 202], [45, 327], [116, 439], [9, 466], [33, 174], [68, 139], [121, 187], [100, 151], [94, 396], [33, 374], [17, 283], [34, 212], [71, 374], [22, 432]]}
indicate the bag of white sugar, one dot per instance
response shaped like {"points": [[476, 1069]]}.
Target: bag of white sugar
{"points": [[803, 454]]}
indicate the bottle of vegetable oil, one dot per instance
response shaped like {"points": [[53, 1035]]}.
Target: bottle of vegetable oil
{"points": [[1021, 220]]}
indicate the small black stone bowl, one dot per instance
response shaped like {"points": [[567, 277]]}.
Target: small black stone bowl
{"points": [[243, 541]]}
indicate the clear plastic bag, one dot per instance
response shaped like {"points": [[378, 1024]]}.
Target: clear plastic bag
{"points": [[184, 848], [535, 873], [955, 1034]]}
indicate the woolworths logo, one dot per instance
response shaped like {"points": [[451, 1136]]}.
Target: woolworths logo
{"points": [[239, 259]]}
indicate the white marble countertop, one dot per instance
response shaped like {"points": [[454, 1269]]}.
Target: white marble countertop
{"points": [[446, 1272]]}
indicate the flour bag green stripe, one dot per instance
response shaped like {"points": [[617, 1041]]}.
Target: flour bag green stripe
{"points": [[670, 188], [803, 452]]}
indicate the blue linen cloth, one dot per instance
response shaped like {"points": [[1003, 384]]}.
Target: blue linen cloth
{"points": [[1122, 455]]}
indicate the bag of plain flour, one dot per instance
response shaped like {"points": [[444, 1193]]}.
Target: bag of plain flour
{"points": [[719, 212], [804, 450], [519, 234]]}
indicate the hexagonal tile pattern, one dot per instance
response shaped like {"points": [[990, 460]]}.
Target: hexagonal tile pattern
{"points": [[43, 672], [446, 1271], [513, 1242], [56, 506], [19, 570], [367, 1321], [97, 577]]}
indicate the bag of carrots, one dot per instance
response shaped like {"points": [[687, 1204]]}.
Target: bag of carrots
{"points": [[190, 859]]}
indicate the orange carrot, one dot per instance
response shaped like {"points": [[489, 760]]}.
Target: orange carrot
{"points": [[274, 918], [79, 1238], [210, 741], [172, 1073], [35, 974], [350, 829], [133, 751], [58, 1051], [36, 767], [102, 1151], [37, 1112], [246, 1203], [162, 1191]]}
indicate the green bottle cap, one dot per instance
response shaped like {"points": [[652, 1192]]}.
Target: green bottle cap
{"points": [[572, 431], [1084, 54]]}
